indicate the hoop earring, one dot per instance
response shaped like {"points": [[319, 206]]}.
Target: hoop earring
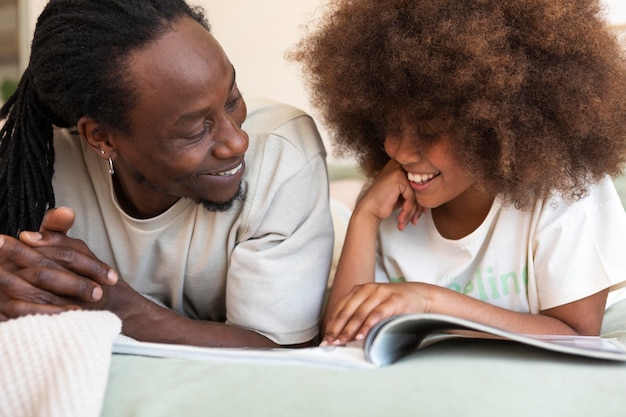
{"points": [[111, 170]]}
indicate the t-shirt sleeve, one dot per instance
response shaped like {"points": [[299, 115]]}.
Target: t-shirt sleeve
{"points": [[579, 248], [279, 268]]}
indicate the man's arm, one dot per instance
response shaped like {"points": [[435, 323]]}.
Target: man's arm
{"points": [[145, 320], [47, 272]]}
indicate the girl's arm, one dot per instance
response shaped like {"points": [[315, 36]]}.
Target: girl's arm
{"points": [[357, 262], [367, 304]]}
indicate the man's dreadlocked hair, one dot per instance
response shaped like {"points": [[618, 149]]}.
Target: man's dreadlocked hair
{"points": [[78, 67]]}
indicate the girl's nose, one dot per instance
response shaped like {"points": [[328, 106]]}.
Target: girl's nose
{"points": [[401, 147]]}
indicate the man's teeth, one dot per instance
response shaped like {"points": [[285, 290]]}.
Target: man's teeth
{"points": [[420, 178], [231, 172]]}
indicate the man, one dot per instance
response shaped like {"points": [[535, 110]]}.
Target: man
{"points": [[196, 220]]}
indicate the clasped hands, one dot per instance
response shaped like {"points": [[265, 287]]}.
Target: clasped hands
{"points": [[47, 272]]}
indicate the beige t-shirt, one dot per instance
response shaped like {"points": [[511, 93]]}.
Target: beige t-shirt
{"points": [[261, 265]]}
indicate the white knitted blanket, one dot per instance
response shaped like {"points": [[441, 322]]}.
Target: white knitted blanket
{"points": [[56, 366]]}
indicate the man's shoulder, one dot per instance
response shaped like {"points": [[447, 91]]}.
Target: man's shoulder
{"points": [[265, 115], [285, 123]]}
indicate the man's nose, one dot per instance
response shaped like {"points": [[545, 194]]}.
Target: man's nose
{"points": [[231, 140]]}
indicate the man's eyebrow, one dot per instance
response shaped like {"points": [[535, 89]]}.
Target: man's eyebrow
{"points": [[196, 114], [232, 85]]}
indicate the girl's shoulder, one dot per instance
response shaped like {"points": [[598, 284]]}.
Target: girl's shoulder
{"points": [[601, 204]]}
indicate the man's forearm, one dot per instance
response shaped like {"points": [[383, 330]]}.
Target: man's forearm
{"points": [[147, 321]]}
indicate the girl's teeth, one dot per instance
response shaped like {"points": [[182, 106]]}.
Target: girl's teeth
{"points": [[420, 178]]}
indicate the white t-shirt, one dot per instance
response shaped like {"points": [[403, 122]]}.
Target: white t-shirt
{"points": [[525, 261], [262, 265]]}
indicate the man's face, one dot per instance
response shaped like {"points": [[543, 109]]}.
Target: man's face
{"points": [[186, 138]]}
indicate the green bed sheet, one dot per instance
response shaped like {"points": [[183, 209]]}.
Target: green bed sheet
{"points": [[463, 378]]}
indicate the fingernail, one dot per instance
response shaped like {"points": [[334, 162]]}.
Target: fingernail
{"points": [[359, 337], [96, 294], [32, 236], [112, 276], [324, 343]]}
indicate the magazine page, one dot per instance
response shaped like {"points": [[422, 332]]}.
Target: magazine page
{"points": [[398, 336], [350, 356]]}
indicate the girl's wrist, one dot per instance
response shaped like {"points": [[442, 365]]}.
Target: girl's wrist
{"points": [[365, 217]]}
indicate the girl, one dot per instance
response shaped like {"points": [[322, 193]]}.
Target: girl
{"points": [[503, 121]]}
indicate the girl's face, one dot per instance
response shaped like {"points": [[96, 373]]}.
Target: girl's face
{"points": [[433, 173]]}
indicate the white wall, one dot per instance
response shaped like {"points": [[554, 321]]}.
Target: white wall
{"points": [[256, 35], [8, 29], [28, 12], [616, 11]]}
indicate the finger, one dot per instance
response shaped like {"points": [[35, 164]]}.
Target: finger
{"points": [[18, 308], [421, 210], [379, 312], [58, 282], [369, 312], [337, 320], [336, 332], [406, 217], [86, 266], [49, 238], [33, 266], [59, 219], [72, 254], [14, 254], [19, 287], [410, 209], [380, 302]]}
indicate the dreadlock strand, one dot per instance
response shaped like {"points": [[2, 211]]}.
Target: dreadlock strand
{"points": [[21, 182]]}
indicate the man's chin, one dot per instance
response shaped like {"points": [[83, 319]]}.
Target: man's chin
{"points": [[225, 206]]}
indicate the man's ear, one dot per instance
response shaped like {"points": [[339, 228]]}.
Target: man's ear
{"points": [[96, 136]]}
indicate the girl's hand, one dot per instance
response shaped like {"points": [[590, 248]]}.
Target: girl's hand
{"points": [[389, 191], [367, 304]]}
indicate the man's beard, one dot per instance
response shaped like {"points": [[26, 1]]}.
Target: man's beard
{"points": [[213, 206]]}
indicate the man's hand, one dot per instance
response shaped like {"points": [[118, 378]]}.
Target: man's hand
{"points": [[47, 272]]}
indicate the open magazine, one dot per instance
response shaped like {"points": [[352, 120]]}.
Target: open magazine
{"points": [[388, 341], [397, 336]]}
